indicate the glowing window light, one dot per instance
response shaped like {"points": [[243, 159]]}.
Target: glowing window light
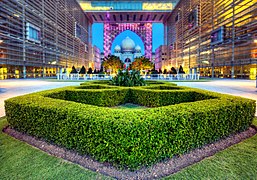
{"points": [[157, 6], [86, 6]]}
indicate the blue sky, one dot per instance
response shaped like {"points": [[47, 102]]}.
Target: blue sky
{"points": [[158, 36]]}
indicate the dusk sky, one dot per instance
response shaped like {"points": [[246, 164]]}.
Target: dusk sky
{"points": [[158, 36]]}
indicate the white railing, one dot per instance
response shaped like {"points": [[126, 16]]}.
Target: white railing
{"points": [[166, 77], [172, 77], [83, 77]]}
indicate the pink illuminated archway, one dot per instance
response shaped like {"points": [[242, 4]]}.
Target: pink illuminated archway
{"points": [[144, 31]]}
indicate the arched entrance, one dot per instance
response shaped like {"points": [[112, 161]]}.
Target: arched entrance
{"points": [[143, 30], [127, 60]]}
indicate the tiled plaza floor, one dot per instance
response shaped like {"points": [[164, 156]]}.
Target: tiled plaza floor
{"points": [[243, 88], [12, 88]]}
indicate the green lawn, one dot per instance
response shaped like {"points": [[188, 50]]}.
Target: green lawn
{"points": [[236, 162], [21, 161], [130, 106]]}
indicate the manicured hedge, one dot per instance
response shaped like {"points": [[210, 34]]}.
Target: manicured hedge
{"points": [[148, 83], [129, 138]]}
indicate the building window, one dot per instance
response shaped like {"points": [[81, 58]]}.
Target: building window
{"points": [[177, 18], [78, 31], [217, 36], [193, 18], [33, 33]]}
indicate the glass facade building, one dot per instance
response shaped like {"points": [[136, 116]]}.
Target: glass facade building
{"points": [[39, 37], [215, 38]]}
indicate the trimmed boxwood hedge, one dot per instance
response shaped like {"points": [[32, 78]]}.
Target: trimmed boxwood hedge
{"points": [[72, 117]]}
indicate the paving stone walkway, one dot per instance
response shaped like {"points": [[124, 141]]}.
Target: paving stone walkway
{"points": [[243, 88], [12, 88]]}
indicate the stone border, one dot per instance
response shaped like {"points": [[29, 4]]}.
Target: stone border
{"points": [[158, 170]]}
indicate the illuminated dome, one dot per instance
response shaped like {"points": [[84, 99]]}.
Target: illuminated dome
{"points": [[138, 48], [117, 48], [127, 44]]}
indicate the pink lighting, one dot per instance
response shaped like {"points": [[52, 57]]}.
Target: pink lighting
{"points": [[144, 31]]}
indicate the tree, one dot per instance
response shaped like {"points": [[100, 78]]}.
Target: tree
{"points": [[73, 70], [82, 70], [112, 63], [165, 71], [173, 71], [142, 63], [90, 70], [181, 71]]}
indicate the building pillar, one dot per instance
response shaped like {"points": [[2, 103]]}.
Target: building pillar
{"points": [[24, 72], [44, 71], [233, 42], [165, 34], [212, 48]]}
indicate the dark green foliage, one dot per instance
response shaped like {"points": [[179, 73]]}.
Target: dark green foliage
{"points": [[181, 71], [82, 70], [165, 71], [149, 82], [96, 82], [73, 70], [128, 79], [157, 96], [90, 71], [173, 71], [129, 138]]}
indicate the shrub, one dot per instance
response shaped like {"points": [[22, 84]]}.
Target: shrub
{"points": [[73, 70], [82, 70], [96, 82], [181, 71], [129, 138], [90, 71], [173, 71], [128, 79]]}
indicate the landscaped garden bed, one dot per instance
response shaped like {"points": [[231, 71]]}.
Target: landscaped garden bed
{"points": [[176, 121]]}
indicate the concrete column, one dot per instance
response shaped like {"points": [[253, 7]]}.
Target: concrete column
{"points": [[24, 72], [44, 71], [233, 42]]}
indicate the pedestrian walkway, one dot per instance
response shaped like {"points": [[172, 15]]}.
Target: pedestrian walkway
{"points": [[243, 88], [17, 87]]}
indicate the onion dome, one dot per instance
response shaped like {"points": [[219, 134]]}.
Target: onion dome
{"points": [[138, 48], [117, 48], [127, 45]]}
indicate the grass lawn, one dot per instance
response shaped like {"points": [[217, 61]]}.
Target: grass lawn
{"points": [[21, 161], [130, 106]]}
